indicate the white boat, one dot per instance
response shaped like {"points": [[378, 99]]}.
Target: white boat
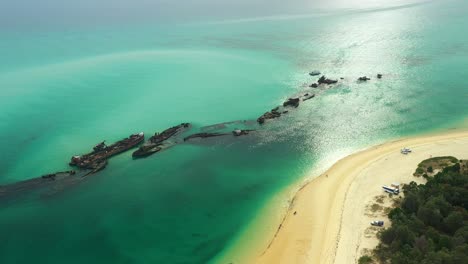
{"points": [[314, 73], [405, 151]]}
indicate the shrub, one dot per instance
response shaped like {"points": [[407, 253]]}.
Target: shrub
{"points": [[365, 260], [419, 171]]}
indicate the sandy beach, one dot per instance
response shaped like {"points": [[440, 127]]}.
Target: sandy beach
{"points": [[328, 220]]}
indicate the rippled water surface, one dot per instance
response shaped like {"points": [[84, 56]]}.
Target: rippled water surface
{"points": [[63, 91]]}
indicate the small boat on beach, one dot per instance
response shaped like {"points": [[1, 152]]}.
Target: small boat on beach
{"points": [[405, 151]]}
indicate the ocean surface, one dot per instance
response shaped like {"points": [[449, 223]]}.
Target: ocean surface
{"points": [[64, 89]]}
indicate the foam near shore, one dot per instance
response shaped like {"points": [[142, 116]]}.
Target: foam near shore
{"points": [[327, 220]]}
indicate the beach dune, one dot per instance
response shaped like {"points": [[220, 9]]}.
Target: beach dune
{"points": [[327, 221]]}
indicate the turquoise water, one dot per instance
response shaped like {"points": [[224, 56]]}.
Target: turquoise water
{"points": [[62, 91]]}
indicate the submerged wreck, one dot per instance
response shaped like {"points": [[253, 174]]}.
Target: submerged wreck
{"points": [[97, 159], [294, 102], [54, 176], [50, 183], [236, 133], [156, 142], [291, 102], [204, 135], [269, 115], [308, 97], [241, 132], [325, 80]]}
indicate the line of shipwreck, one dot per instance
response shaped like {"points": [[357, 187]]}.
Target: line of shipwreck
{"points": [[97, 159]]}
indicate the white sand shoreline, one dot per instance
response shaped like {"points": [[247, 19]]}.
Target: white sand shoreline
{"points": [[327, 228]]}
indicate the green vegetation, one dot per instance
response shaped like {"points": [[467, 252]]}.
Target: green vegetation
{"points": [[430, 169], [365, 260], [432, 164], [430, 226]]}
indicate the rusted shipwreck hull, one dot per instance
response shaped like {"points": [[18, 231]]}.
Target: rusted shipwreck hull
{"points": [[159, 141], [97, 159]]}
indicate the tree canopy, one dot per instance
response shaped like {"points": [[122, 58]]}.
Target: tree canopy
{"points": [[430, 226]]}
